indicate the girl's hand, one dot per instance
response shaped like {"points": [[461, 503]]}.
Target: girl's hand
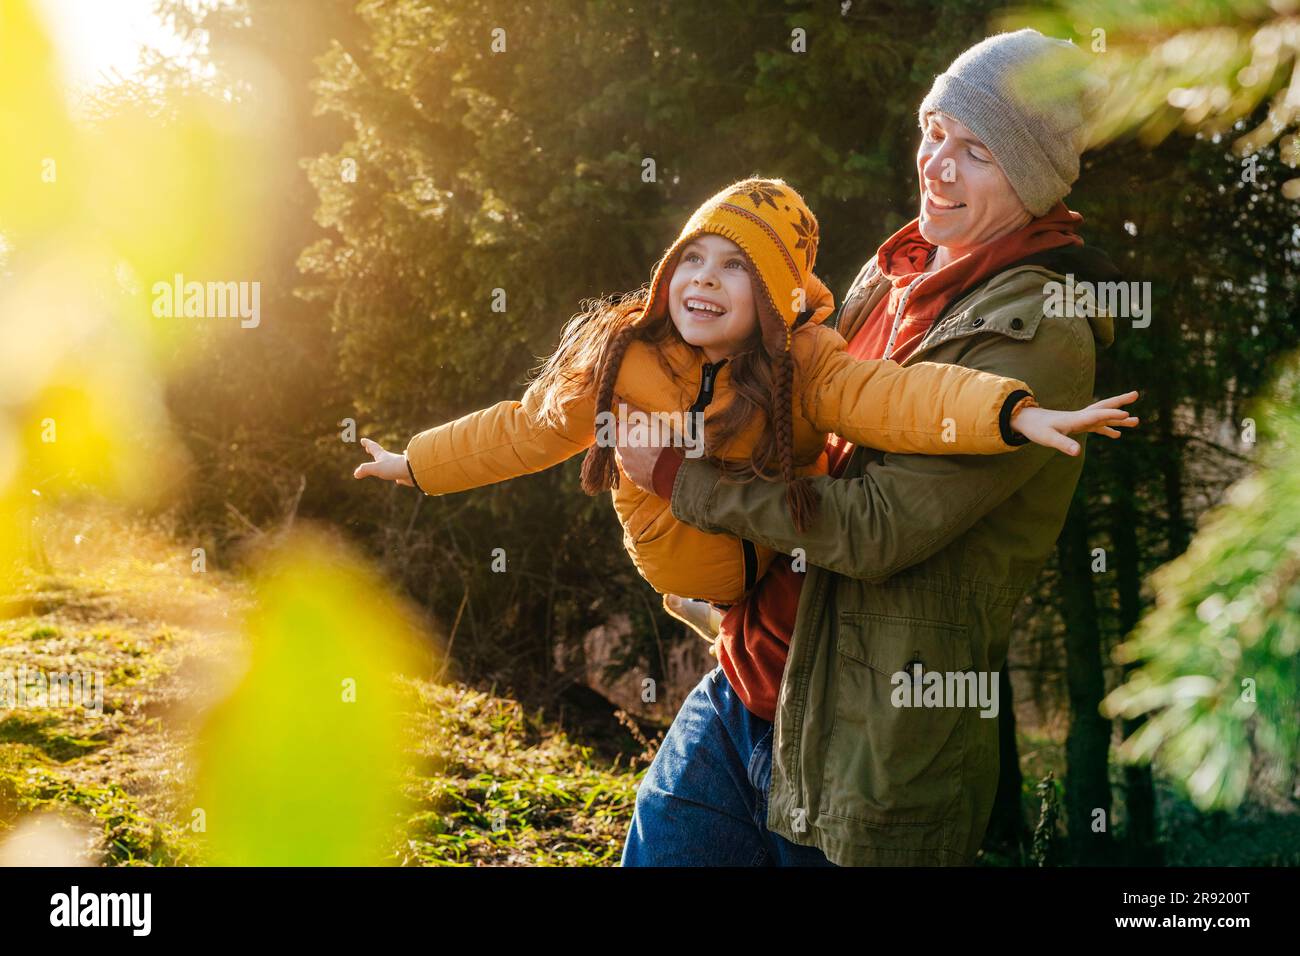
{"points": [[1047, 426], [386, 464], [637, 461]]}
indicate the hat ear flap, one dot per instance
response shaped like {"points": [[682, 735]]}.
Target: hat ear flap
{"points": [[770, 322]]}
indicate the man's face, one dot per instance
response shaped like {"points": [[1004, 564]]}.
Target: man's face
{"points": [[966, 199]]}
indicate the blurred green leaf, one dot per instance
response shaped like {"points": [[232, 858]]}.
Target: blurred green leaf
{"points": [[301, 765]]}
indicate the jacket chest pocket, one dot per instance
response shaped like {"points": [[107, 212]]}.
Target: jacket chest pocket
{"points": [[903, 692]]}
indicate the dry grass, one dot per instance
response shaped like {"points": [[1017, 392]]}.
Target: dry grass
{"points": [[115, 599]]}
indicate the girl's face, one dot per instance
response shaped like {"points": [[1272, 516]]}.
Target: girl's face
{"points": [[711, 297]]}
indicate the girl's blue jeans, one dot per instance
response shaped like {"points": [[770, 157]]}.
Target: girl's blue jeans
{"points": [[703, 800]]}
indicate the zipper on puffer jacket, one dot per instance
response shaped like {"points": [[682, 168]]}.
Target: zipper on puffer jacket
{"points": [[705, 394], [702, 398]]}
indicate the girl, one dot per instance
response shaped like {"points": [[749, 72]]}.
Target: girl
{"points": [[730, 334]]}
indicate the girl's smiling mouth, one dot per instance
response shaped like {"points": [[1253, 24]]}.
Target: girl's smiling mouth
{"points": [[703, 307]]}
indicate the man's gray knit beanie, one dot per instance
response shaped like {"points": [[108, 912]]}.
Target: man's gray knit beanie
{"points": [[1030, 117]]}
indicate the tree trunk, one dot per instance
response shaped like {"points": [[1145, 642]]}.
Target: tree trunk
{"points": [[1087, 783], [1140, 843]]}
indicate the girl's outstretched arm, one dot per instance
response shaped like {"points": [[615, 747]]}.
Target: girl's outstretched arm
{"points": [[504, 441], [385, 464], [934, 408], [1047, 426], [929, 408]]}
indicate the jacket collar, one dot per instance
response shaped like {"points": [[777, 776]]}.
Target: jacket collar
{"points": [[1001, 308], [1002, 304]]}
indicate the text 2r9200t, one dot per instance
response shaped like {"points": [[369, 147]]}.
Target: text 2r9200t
{"points": [[1218, 896]]}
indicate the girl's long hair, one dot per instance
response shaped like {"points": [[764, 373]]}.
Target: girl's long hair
{"points": [[587, 360]]}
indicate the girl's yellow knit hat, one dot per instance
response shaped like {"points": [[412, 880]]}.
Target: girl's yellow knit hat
{"points": [[778, 232]]}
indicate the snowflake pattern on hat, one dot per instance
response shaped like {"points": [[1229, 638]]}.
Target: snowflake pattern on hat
{"points": [[806, 229]]}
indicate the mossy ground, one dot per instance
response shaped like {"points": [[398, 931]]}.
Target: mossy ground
{"points": [[487, 784]]}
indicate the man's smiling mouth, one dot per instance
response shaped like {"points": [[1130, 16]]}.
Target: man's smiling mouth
{"points": [[941, 203]]}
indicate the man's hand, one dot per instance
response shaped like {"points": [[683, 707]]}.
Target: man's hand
{"points": [[386, 464], [637, 461]]}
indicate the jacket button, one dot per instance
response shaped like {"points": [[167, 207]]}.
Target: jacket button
{"points": [[976, 323], [1017, 324]]}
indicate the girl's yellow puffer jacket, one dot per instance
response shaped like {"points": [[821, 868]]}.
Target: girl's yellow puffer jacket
{"points": [[878, 403]]}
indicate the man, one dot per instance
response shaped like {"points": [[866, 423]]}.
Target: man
{"points": [[794, 750]]}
